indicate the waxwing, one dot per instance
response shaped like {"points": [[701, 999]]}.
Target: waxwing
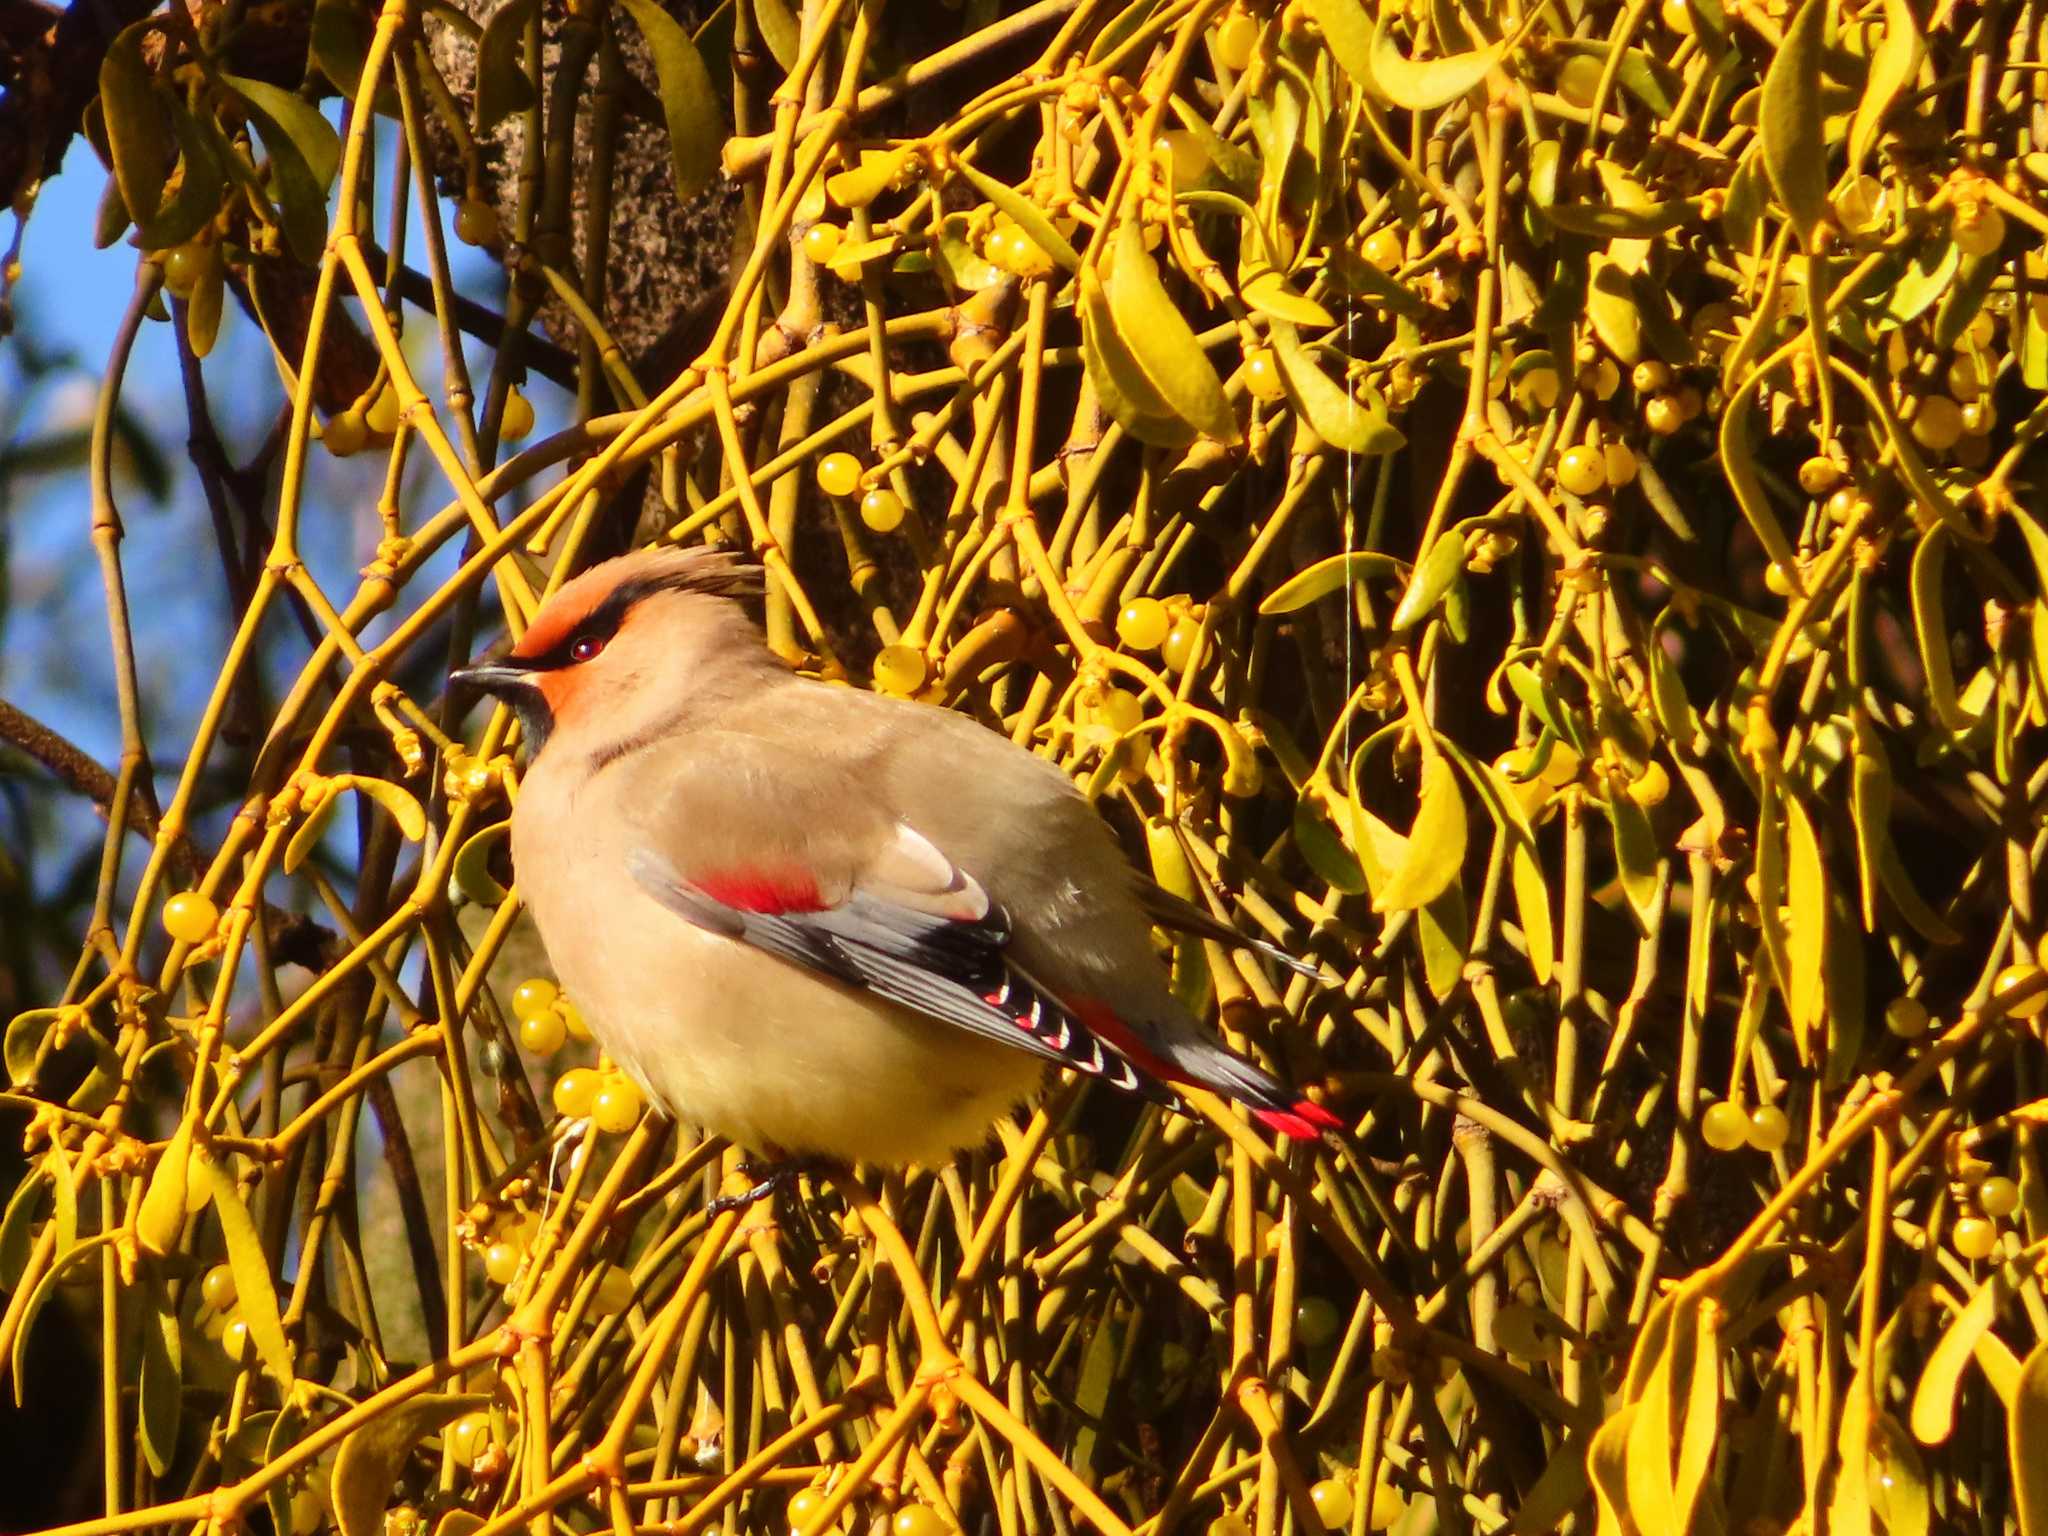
{"points": [[823, 922]]}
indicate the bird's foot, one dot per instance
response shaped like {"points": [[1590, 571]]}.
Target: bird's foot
{"points": [[776, 1178]]}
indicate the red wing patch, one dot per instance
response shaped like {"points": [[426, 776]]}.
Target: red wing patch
{"points": [[761, 890], [1101, 1019]]}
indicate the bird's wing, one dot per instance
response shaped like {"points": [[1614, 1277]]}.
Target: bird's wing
{"points": [[1182, 916], [911, 928]]}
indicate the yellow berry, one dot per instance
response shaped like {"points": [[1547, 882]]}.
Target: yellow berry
{"points": [[1619, 460], [1778, 578], [1978, 229], [1663, 415], [1967, 376], [217, 1289], [476, 222], [1184, 152], [804, 1505], [1581, 471], [1561, 768], [1234, 41], [1119, 710], [917, 1520], [1844, 506], [1768, 1128], [1818, 475], [501, 1261], [1649, 787], [821, 240], [1724, 1126], [185, 266], [576, 1091], [882, 510], [1979, 417], [614, 1291], [1384, 248], [234, 1337], [572, 1019], [1229, 1525], [382, 416], [1179, 645], [1332, 1499], [1262, 376], [617, 1105], [1974, 1237], [543, 1033], [1906, 1017], [1677, 17], [533, 996], [468, 1436], [518, 418], [1579, 78], [1938, 423], [345, 433], [900, 669], [1315, 1322], [1387, 1507], [1998, 1197], [1011, 249], [1143, 624], [838, 474], [1650, 376], [190, 916], [2016, 975]]}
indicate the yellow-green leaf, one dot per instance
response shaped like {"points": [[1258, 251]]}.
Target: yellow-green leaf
{"points": [[1806, 893], [1892, 67], [1443, 931], [255, 1294], [305, 153], [24, 1041], [878, 171], [1635, 856], [2026, 1427], [696, 123], [1607, 1466], [1444, 563], [1159, 338], [778, 27], [1436, 844], [1119, 382], [161, 1390], [1789, 122], [1611, 307], [1532, 904], [203, 308], [1338, 418], [1930, 627], [1934, 1396], [1415, 85], [135, 125], [161, 1216], [367, 1467], [1325, 577], [399, 803], [1268, 293], [472, 872], [1870, 804], [18, 1227]]}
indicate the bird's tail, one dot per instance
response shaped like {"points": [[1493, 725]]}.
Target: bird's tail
{"points": [[1211, 1066]]}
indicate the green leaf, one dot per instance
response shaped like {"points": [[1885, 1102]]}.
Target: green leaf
{"points": [[24, 1041], [1023, 212], [502, 84], [696, 122], [878, 171], [367, 1467], [2026, 1427], [1622, 223], [18, 1227], [305, 152], [1323, 845], [777, 25], [1268, 293], [472, 872], [1432, 578], [1337, 418], [1091, 1396], [1325, 577], [340, 44], [1892, 68], [134, 116], [1443, 931], [200, 186], [34, 1306], [161, 1392], [1157, 334], [1612, 309], [1436, 843], [1870, 806], [255, 1294], [203, 308], [1789, 122], [1607, 1467]]}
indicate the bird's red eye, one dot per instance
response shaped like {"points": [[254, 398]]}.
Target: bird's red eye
{"points": [[586, 647]]}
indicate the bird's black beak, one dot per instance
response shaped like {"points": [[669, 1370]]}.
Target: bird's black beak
{"points": [[496, 678], [518, 687]]}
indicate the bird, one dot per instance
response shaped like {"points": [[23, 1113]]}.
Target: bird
{"points": [[831, 925]]}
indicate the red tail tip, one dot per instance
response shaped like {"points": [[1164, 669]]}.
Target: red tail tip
{"points": [[1304, 1120]]}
